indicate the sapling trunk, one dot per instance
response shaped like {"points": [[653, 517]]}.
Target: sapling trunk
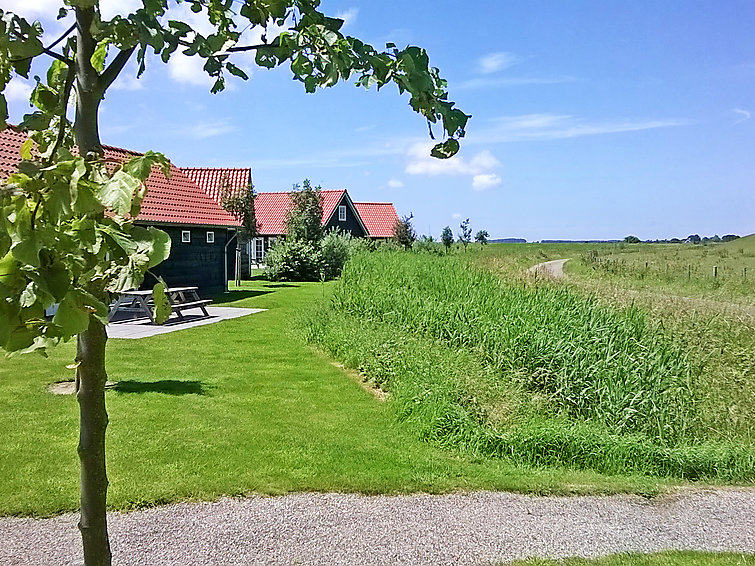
{"points": [[93, 420], [90, 374]]}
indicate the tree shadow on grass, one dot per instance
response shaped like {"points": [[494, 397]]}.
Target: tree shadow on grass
{"points": [[238, 294], [166, 386], [276, 285]]}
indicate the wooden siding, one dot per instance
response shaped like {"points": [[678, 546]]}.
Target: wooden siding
{"points": [[351, 224], [197, 263]]}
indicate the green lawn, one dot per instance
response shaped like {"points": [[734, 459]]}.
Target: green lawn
{"points": [[667, 558], [242, 406]]}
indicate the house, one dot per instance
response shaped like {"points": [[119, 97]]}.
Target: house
{"points": [[374, 220], [204, 235], [200, 229], [379, 218]]}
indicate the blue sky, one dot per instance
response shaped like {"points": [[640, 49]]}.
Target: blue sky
{"points": [[590, 119]]}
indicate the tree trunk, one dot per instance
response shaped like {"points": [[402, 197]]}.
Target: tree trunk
{"points": [[91, 378], [90, 375]]}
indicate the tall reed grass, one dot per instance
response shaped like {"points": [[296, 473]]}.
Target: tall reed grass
{"points": [[533, 373], [590, 362]]}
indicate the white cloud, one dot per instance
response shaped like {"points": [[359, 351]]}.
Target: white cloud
{"points": [[494, 62], [560, 126], [188, 70], [18, 90], [485, 181], [395, 184], [35, 8], [456, 216], [480, 166], [348, 16], [745, 115], [421, 163], [204, 130]]}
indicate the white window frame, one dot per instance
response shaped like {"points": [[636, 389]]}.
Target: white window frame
{"points": [[258, 257], [185, 236], [342, 213], [210, 237]]}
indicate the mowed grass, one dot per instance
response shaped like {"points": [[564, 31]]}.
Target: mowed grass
{"points": [[544, 374], [238, 407], [666, 558]]}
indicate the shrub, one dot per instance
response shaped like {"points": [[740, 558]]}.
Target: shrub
{"points": [[336, 250], [294, 260], [427, 244]]}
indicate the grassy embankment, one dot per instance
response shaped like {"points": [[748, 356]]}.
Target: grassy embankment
{"points": [[242, 406], [532, 373]]}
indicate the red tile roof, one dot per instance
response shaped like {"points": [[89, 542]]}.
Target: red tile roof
{"points": [[177, 200], [270, 210], [213, 180], [378, 217]]}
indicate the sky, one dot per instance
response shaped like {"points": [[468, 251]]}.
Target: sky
{"points": [[590, 119]]}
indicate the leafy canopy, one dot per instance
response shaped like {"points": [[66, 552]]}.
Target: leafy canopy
{"points": [[304, 215], [66, 230]]}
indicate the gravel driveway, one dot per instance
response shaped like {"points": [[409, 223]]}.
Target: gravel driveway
{"points": [[475, 528]]}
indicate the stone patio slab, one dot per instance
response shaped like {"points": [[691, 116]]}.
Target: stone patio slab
{"points": [[143, 328]]}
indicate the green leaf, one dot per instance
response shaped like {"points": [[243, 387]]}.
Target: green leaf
{"points": [[100, 54], [72, 317], [27, 250], [116, 194], [447, 149], [58, 280], [26, 148], [162, 304]]}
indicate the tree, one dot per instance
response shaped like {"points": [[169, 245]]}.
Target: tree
{"points": [[240, 203], [447, 237], [466, 234], [694, 239], [304, 216], [66, 231], [403, 232], [482, 237], [631, 240]]}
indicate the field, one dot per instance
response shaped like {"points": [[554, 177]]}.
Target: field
{"points": [[243, 406], [477, 355], [492, 380]]}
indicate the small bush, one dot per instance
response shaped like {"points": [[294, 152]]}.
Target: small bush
{"points": [[336, 250], [294, 260], [426, 244]]}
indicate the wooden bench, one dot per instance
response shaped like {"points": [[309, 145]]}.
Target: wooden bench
{"points": [[140, 302]]}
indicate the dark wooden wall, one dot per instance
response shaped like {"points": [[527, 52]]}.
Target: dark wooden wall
{"points": [[351, 224], [197, 263]]}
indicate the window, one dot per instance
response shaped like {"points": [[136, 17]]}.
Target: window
{"points": [[341, 213], [210, 237], [186, 236], [258, 249]]}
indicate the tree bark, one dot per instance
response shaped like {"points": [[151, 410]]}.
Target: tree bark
{"points": [[90, 374], [93, 420]]}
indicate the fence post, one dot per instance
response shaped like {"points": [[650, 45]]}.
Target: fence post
{"points": [[715, 271], [689, 271]]}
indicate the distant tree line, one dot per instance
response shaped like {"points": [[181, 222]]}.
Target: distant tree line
{"points": [[691, 239]]}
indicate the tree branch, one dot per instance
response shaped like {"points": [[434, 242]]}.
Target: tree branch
{"points": [[65, 95], [62, 37], [235, 49], [114, 68], [48, 50]]}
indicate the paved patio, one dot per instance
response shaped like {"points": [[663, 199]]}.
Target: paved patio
{"points": [[143, 328]]}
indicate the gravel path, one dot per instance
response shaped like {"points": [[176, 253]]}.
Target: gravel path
{"points": [[554, 268], [476, 528]]}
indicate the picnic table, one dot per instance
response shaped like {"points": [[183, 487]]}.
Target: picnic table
{"points": [[140, 302]]}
